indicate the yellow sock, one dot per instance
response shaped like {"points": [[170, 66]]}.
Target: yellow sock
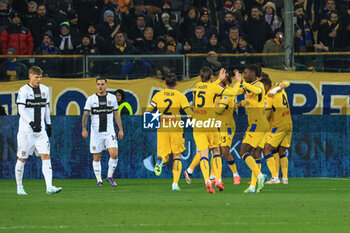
{"points": [[277, 162], [212, 169], [195, 161], [177, 168], [232, 166], [270, 161], [254, 178], [249, 160], [217, 166], [205, 168], [284, 165]]}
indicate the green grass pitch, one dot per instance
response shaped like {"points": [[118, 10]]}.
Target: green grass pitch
{"points": [[149, 205]]}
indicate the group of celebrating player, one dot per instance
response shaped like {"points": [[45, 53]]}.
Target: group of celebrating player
{"points": [[269, 126]]}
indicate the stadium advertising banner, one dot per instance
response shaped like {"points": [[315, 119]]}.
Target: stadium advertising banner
{"points": [[309, 93]]}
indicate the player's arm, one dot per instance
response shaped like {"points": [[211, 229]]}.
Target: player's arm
{"points": [[84, 132], [243, 103], [48, 120], [220, 108], [282, 85], [251, 88], [118, 120]]}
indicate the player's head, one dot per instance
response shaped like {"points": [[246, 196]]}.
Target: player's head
{"points": [[170, 80], [101, 85], [206, 74], [266, 81], [35, 75], [251, 72], [226, 81]]}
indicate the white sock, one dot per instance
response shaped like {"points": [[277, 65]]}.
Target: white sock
{"points": [[175, 185], [212, 177], [260, 175], [252, 187], [275, 178], [97, 170], [189, 170], [236, 174], [19, 173], [112, 165], [47, 172]]}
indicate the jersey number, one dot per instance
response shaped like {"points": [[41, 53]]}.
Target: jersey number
{"points": [[284, 101], [168, 107], [201, 96]]}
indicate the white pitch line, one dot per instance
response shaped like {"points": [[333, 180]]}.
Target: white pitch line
{"points": [[332, 178], [133, 225]]}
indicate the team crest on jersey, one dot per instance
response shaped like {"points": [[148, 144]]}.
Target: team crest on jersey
{"points": [[109, 102], [44, 94], [23, 153], [94, 147]]}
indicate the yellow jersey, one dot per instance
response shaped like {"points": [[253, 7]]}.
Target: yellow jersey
{"points": [[169, 102], [280, 113], [228, 103]]}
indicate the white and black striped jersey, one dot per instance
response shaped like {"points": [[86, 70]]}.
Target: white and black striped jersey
{"points": [[36, 102], [101, 109]]}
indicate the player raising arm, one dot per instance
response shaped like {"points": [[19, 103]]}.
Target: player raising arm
{"points": [[33, 107], [103, 106]]}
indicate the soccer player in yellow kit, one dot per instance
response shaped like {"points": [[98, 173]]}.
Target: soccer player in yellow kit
{"points": [[170, 140], [225, 106], [281, 126], [257, 121], [206, 139]]}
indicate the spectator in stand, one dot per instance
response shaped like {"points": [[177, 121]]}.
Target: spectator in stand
{"points": [[271, 17], [204, 20], [228, 7], [243, 46], [200, 42], [138, 29], [130, 19], [47, 48], [304, 40], [231, 43], [324, 15], [153, 7], [66, 42], [214, 44], [73, 22], [112, 5], [188, 25], [257, 30], [11, 69], [250, 4], [18, 37], [186, 47], [96, 40], [173, 46], [40, 25], [331, 33], [229, 22], [148, 35], [108, 27], [86, 47], [165, 25], [161, 47], [212, 61], [239, 6], [64, 8], [5, 14], [275, 45], [210, 6], [120, 46], [124, 107], [31, 13], [166, 8], [138, 68]]}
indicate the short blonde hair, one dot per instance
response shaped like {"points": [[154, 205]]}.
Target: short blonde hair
{"points": [[35, 70]]}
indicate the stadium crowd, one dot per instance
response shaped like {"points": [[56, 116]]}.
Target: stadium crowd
{"points": [[124, 27]]}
